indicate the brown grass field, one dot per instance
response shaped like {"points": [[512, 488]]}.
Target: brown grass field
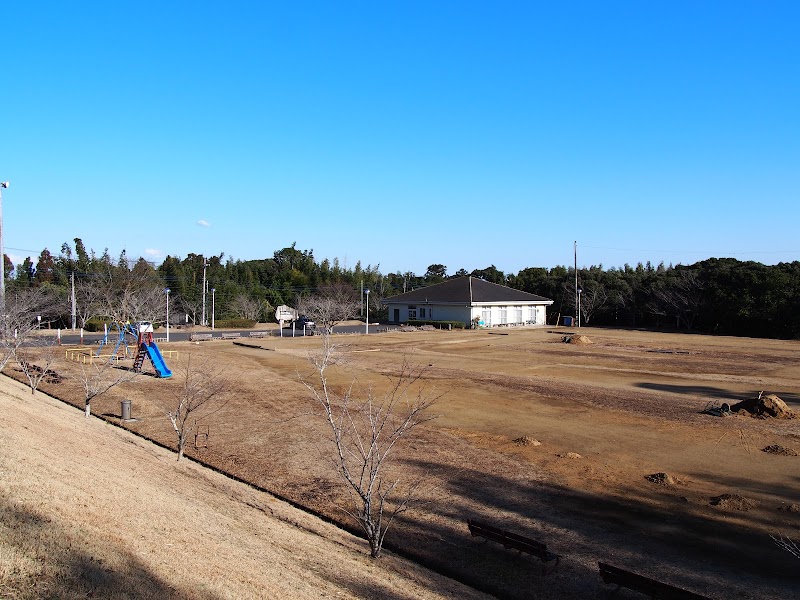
{"points": [[607, 414]]}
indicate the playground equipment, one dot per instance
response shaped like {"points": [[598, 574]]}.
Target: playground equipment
{"points": [[145, 346]]}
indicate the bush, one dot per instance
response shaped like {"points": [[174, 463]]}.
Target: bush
{"points": [[93, 325], [235, 323], [439, 324]]}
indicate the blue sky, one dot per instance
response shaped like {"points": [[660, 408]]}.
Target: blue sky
{"points": [[403, 134]]}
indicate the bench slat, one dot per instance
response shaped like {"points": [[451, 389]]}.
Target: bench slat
{"points": [[512, 540]]}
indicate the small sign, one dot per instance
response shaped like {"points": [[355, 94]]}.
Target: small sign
{"points": [[285, 313]]}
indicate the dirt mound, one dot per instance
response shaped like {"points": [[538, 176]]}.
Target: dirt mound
{"points": [[792, 508], [765, 407], [526, 441], [661, 478], [581, 340], [733, 502], [779, 450]]}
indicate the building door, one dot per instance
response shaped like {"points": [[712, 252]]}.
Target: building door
{"points": [[396, 315]]}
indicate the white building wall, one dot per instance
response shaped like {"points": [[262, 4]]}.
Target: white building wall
{"points": [[449, 313], [465, 314]]}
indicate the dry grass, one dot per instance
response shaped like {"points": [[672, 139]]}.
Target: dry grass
{"points": [[629, 404], [89, 510]]}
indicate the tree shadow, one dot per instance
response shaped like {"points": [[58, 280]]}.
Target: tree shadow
{"points": [[713, 392], [62, 571], [704, 549]]}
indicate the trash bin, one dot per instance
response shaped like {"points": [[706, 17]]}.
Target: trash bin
{"points": [[567, 321], [126, 410]]}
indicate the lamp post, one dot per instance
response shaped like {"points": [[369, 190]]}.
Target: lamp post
{"points": [[580, 291], [203, 321], [367, 312], [166, 291], [213, 292], [3, 186]]}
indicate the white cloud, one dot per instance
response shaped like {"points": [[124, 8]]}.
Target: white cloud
{"points": [[153, 253], [203, 223]]}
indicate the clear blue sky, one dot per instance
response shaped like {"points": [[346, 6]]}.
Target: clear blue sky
{"points": [[404, 133]]}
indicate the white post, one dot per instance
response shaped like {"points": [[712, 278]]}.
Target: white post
{"points": [[213, 295], [59, 336]]}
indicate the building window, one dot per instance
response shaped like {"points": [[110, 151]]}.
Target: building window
{"points": [[412, 313], [503, 315], [486, 317], [421, 313], [519, 315]]}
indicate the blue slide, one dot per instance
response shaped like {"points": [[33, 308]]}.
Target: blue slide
{"points": [[158, 361]]}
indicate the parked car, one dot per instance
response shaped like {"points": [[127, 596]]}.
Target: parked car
{"points": [[303, 322]]}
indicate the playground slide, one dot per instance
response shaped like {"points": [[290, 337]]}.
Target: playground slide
{"points": [[158, 361]]}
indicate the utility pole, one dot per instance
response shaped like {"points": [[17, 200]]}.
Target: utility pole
{"points": [[203, 320], [74, 312], [577, 299]]}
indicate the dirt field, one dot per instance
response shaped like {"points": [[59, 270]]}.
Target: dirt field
{"points": [[608, 415]]}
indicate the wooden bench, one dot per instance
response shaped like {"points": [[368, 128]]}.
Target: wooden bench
{"points": [[230, 335], [513, 541], [644, 585], [200, 337]]}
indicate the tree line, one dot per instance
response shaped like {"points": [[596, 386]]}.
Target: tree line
{"points": [[718, 295]]}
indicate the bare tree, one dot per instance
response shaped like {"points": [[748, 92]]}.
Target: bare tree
{"points": [[593, 297], [45, 354], [201, 392], [333, 304], [136, 295], [785, 543], [246, 307], [88, 297], [18, 323], [682, 296], [363, 434], [191, 308], [96, 379]]}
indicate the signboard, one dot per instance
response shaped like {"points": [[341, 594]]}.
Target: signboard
{"points": [[285, 313]]}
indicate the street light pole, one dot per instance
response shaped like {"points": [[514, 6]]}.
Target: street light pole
{"points": [[580, 291], [213, 293], [367, 310], [3, 186], [203, 320], [167, 290]]}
